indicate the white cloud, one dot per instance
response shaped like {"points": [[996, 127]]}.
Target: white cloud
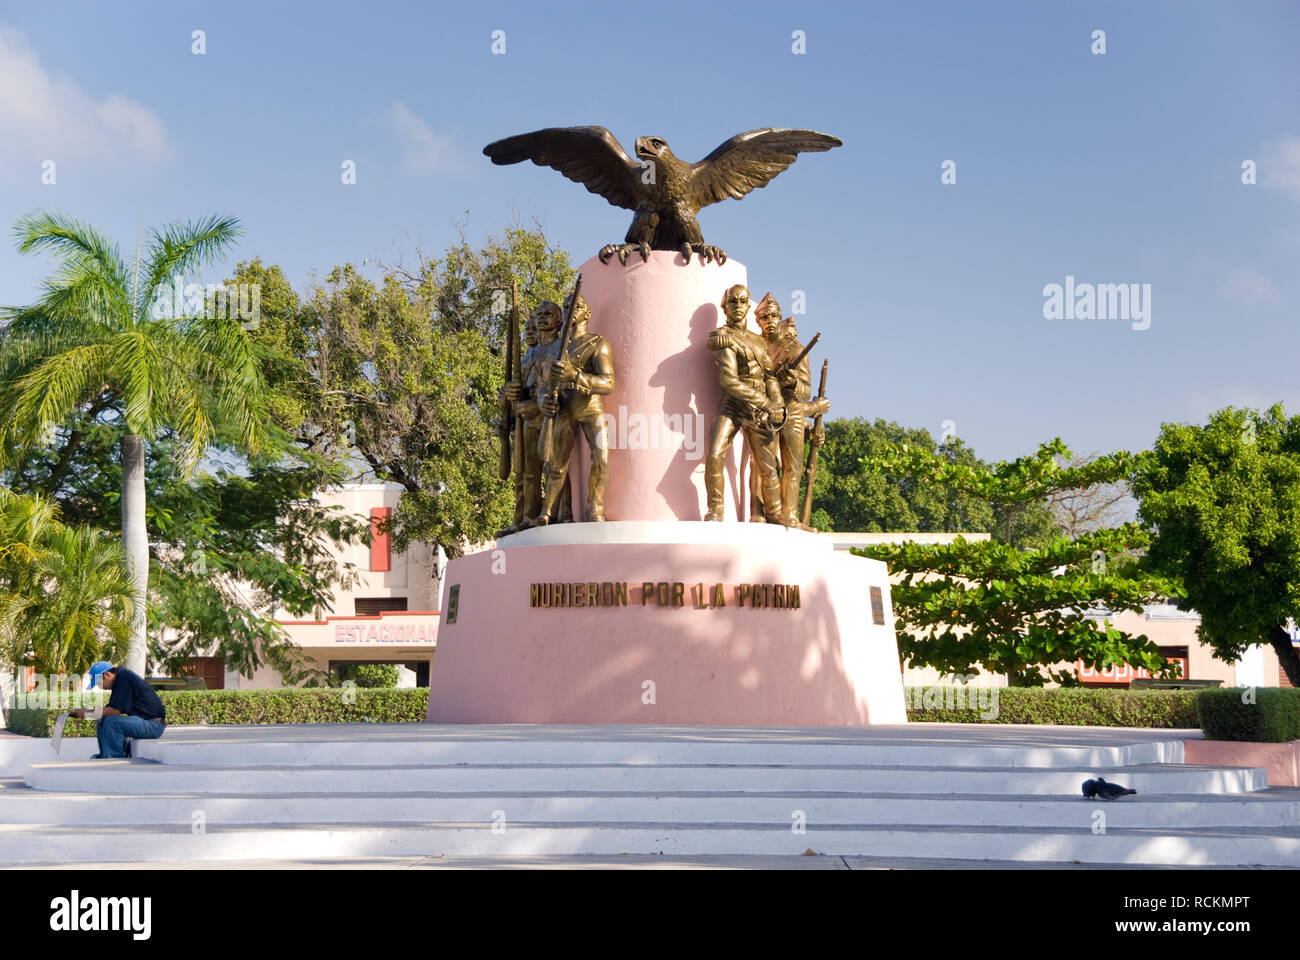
{"points": [[44, 116], [1248, 287], [1280, 165], [424, 153]]}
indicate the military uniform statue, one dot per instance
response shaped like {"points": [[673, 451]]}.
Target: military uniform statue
{"points": [[751, 401], [541, 330], [585, 374], [796, 393]]}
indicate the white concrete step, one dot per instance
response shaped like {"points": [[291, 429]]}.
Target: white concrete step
{"points": [[26, 806], [1182, 847], [392, 751], [122, 777]]}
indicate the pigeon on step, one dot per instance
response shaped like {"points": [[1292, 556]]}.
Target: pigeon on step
{"points": [[1099, 788]]}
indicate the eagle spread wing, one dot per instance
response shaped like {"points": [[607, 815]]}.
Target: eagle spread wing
{"points": [[591, 156], [750, 160]]}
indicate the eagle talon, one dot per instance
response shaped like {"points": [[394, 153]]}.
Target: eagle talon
{"points": [[621, 250], [708, 253]]}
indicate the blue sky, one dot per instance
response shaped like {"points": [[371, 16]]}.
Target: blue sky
{"points": [[1117, 168]]}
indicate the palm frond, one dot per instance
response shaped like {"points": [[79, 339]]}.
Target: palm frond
{"points": [[139, 370], [71, 241], [227, 362], [179, 248], [50, 390], [188, 416]]}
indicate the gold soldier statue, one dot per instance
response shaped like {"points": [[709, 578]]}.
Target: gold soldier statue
{"points": [[751, 401], [541, 330], [584, 374], [796, 392]]}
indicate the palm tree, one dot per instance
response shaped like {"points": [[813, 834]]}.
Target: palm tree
{"points": [[101, 335], [65, 596]]}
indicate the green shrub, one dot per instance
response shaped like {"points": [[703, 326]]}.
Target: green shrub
{"points": [[1072, 706], [370, 674], [1256, 714], [40, 723], [291, 705]]}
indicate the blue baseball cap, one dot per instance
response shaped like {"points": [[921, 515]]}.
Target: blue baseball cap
{"points": [[98, 668]]}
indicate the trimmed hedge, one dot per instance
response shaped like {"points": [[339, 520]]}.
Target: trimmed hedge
{"points": [[291, 705], [1255, 714], [1075, 706]]}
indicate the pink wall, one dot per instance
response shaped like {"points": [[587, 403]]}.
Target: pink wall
{"points": [[1281, 760], [825, 663], [657, 316]]}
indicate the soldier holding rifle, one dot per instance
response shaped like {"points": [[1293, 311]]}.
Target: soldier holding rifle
{"points": [[790, 360], [751, 401], [574, 379], [541, 330]]}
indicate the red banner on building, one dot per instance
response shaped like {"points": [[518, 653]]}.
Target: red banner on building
{"points": [[1124, 673]]}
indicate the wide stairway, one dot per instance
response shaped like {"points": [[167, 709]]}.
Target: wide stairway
{"points": [[948, 791]]}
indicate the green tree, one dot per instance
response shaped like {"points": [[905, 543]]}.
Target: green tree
{"points": [[65, 598], [229, 547], [860, 499], [234, 550], [1223, 501], [1011, 609], [104, 336], [857, 495], [400, 376]]}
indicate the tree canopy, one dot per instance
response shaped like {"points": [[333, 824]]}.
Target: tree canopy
{"points": [[65, 598], [1019, 610], [855, 491], [1223, 503], [400, 376], [137, 351]]}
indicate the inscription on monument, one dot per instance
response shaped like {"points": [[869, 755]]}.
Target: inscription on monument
{"points": [[453, 603], [664, 593], [877, 607]]}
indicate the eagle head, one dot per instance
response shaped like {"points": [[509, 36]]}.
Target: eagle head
{"points": [[652, 148]]}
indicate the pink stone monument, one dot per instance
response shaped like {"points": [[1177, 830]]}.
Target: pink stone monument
{"points": [[654, 615]]}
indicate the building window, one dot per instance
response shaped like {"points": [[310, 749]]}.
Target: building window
{"points": [[211, 669], [370, 606]]}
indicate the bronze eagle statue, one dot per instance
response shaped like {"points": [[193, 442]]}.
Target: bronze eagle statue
{"points": [[666, 193]]}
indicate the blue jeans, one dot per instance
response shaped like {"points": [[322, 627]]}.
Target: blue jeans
{"points": [[113, 730]]}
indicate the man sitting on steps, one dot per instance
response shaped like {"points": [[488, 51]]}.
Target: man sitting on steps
{"points": [[134, 710]]}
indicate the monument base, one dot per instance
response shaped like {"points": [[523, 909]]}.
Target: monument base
{"points": [[666, 622]]}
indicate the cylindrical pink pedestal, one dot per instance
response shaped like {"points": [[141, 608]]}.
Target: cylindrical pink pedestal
{"points": [[657, 316], [512, 655], [655, 620]]}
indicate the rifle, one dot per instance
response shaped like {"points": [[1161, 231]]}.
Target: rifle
{"points": [[546, 443], [810, 473], [759, 419], [507, 409], [518, 377], [786, 366]]}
